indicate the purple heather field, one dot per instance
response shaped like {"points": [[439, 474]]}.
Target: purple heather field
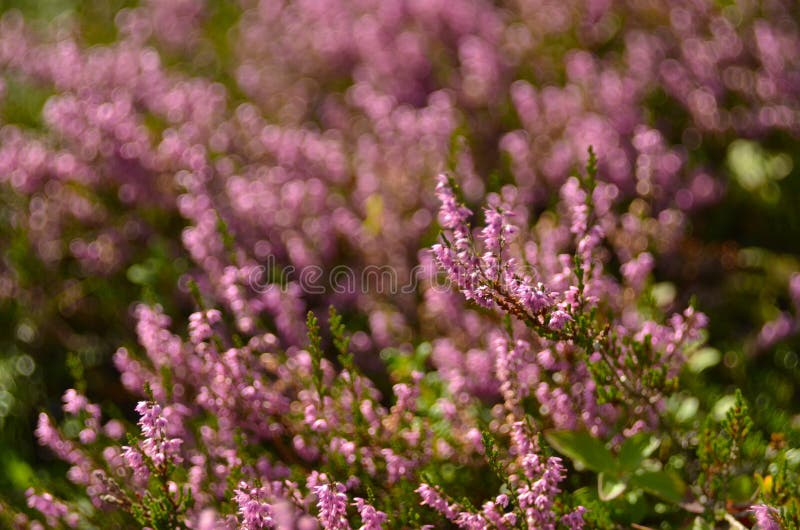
{"points": [[400, 264]]}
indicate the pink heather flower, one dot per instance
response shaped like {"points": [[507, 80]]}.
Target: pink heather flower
{"points": [[452, 215], [574, 520], [114, 429], [534, 298], [397, 466], [471, 521], [134, 460], [53, 510], [589, 242], [431, 497], [497, 232], [255, 513], [776, 330], [580, 218], [485, 279], [332, 504], [537, 492], [87, 436], [371, 519], [162, 347], [49, 436], [558, 319], [151, 421], [521, 443], [200, 325], [636, 270], [574, 197], [493, 512], [156, 445], [765, 517], [74, 403]]}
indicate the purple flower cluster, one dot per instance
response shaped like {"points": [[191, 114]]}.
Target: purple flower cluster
{"points": [[356, 187], [534, 481], [765, 517], [155, 450], [306, 143], [53, 510], [558, 309], [332, 504]]}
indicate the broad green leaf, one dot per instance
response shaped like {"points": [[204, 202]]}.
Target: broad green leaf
{"points": [[583, 450], [636, 449], [609, 488], [665, 485]]}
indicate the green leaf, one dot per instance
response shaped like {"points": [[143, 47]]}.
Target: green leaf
{"points": [[583, 450], [636, 449], [665, 485], [609, 488]]}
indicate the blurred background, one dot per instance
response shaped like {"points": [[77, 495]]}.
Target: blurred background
{"points": [[135, 138]]}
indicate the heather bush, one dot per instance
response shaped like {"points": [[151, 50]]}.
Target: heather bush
{"points": [[400, 264]]}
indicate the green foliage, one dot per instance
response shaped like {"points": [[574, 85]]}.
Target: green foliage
{"points": [[583, 449], [618, 473], [315, 350]]}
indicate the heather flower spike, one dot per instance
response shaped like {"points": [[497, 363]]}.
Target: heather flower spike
{"points": [[565, 317]]}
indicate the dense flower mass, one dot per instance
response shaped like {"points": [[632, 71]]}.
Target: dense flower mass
{"points": [[385, 264]]}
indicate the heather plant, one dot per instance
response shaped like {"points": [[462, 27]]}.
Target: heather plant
{"points": [[212, 458], [540, 357], [631, 363], [236, 432]]}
